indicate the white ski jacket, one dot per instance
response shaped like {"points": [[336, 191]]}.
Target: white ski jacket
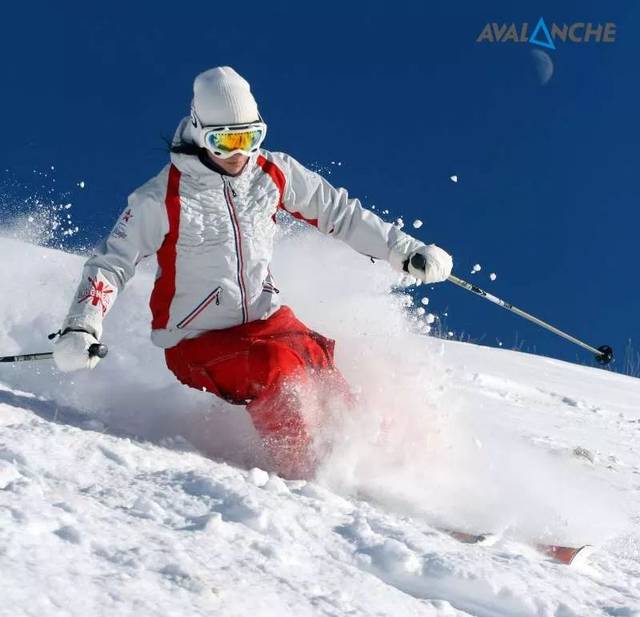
{"points": [[213, 236]]}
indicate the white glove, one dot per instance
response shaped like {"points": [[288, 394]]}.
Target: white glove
{"points": [[71, 351], [429, 264]]}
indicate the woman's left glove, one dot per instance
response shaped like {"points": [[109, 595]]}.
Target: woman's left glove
{"points": [[429, 264]]}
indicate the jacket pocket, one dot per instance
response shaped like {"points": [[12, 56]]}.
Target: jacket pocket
{"points": [[269, 287], [214, 296]]}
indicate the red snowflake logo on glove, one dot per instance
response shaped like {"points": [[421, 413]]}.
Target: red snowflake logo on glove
{"points": [[98, 294], [127, 216]]}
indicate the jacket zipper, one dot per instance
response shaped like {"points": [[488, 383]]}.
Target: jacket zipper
{"points": [[214, 295], [228, 194]]}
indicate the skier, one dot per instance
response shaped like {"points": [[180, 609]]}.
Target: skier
{"points": [[210, 218]]}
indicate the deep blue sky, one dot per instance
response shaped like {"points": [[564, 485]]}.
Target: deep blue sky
{"points": [[404, 97]]}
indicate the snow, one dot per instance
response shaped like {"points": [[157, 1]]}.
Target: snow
{"points": [[453, 178], [425, 301], [417, 224], [476, 268], [124, 493], [493, 276]]}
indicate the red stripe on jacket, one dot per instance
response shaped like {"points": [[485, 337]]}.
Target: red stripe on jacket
{"points": [[278, 177], [165, 285]]}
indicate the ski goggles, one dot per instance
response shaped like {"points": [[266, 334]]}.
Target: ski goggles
{"points": [[225, 141]]}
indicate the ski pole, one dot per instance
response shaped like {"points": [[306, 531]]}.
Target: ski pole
{"points": [[603, 354], [97, 349]]}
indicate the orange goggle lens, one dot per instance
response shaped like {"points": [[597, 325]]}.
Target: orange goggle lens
{"points": [[225, 141]]}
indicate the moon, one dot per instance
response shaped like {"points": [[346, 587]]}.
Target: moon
{"points": [[543, 64]]}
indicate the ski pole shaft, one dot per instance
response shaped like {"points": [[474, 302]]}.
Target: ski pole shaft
{"points": [[604, 354], [97, 349]]}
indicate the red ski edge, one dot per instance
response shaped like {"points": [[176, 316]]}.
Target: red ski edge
{"points": [[566, 555], [563, 554]]}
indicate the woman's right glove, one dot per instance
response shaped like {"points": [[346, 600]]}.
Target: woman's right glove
{"points": [[429, 264], [71, 351]]}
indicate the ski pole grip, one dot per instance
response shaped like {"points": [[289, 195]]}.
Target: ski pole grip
{"points": [[98, 350]]}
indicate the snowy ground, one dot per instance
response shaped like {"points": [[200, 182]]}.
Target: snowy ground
{"points": [[123, 493]]}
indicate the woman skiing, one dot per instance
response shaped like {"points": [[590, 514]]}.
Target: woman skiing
{"points": [[210, 218]]}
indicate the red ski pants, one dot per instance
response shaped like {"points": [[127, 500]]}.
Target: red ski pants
{"points": [[265, 365]]}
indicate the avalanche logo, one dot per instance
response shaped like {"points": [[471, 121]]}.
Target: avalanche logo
{"points": [[578, 32], [98, 293]]}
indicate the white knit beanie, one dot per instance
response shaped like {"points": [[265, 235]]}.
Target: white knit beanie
{"points": [[221, 96]]}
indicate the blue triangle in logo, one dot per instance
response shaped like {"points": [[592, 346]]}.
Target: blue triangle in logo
{"points": [[542, 27]]}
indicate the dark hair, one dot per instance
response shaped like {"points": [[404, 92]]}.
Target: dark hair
{"points": [[194, 150], [182, 147]]}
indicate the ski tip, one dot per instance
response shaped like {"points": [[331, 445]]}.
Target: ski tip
{"points": [[567, 555]]}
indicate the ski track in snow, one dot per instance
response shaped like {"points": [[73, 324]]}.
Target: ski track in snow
{"points": [[124, 493]]}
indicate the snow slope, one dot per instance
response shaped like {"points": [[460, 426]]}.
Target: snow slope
{"points": [[123, 493]]}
